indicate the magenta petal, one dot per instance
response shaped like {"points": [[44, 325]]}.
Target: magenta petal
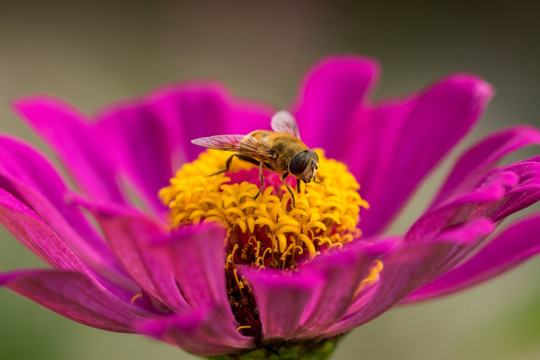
{"points": [[196, 257], [74, 140], [436, 120], [342, 272], [205, 109], [282, 299], [478, 203], [404, 270], [247, 116], [206, 331], [526, 193], [153, 135], [516, 244], [128, 234], [22, 171], [329, 95], [36, 235], [44, 242], [476, 162], [465, 239], [142, 149], [72, 295], [408, 267]]}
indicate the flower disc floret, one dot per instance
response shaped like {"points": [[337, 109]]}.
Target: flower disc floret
{"points": [[267, 231]]}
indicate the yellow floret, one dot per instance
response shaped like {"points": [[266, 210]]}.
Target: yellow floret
{"points": [[326, 214]]}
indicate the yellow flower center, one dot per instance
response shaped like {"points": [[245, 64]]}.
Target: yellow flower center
{"points": [[266, 232]]}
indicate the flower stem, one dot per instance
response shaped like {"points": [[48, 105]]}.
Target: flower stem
{"points": [[321, 350]]}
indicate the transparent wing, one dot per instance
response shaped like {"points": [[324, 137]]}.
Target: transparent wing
{"points": [[284, 122], [246, 145], [220, 142]]}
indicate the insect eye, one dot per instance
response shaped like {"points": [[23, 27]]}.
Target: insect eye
{"points": [[299, 162]]}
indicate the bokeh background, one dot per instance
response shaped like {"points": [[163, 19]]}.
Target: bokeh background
{"points": [[94, 52]]}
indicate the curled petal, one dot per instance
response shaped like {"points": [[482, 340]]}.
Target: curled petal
{"points": [[476, 162], [526, 193], [485, 200], [404, 270], [516, 244], [342, 272], [282, 299], [206, 331]]}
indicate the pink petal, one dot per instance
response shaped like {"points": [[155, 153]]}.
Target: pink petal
{"points": [[328, 97], [526, 193], [502, 192], [282, 299], [342, 272], [476, 162], [39, 238], [480, 202], [34, 182], [516, 244], [390, 159], [153, 135], [128, 233], [143, 149], [408, 267], [72, 295], [77, 142], [36, 235], [196, 110], [404, 270], [196, 257], [206, 331]]}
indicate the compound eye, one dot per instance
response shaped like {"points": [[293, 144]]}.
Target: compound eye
{"points": [[298, 163]]}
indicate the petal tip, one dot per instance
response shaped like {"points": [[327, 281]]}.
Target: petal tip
{"points": [[28, 102], [471, 84], [351, 64]]}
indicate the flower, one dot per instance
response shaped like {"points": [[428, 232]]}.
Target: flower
{"points": [[212, 268]]}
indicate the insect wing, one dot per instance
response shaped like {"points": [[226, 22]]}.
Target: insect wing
{"points": [[242, 144], [220, 142], [284, 122]]}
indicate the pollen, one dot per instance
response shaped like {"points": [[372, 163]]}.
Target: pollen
{"points": [[265, 231]]}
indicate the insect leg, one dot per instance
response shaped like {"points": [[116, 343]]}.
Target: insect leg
{"points": [[262, 179], [298, 185], [318, 182], [227, 166], [283, 177]]}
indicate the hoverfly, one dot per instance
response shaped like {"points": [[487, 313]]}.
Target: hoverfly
{"points": [[280, 150]]}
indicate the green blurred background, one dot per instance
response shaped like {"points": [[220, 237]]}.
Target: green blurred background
{"points": [[95, 52]]}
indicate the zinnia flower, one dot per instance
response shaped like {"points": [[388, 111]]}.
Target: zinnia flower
{"points": [[197, 261]]}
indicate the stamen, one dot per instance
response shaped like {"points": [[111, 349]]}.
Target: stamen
{"points": [[373, 276], [239, 283], [243, 327], [135, 297]]}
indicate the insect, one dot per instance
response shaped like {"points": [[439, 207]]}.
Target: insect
{"points": [[280, 150]]}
